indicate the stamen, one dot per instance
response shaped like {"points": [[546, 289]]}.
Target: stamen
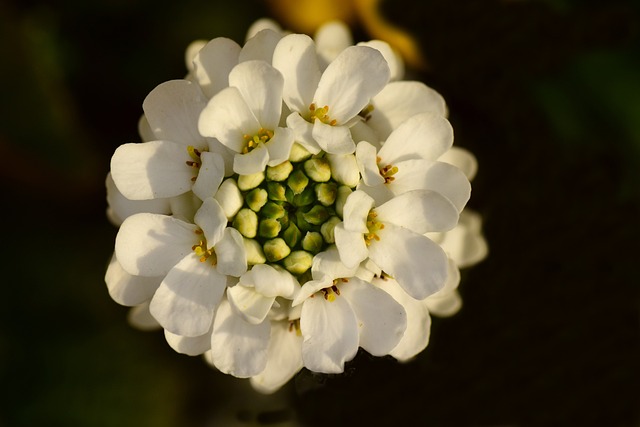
{"points": [[321, 114], [373, 226]]}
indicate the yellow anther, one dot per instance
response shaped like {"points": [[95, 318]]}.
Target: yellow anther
{"points": [[321, 114], [295, 324], [374, 226], [387, 172], [200, 249], [252, 141]]}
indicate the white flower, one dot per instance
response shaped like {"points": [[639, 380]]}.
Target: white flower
{"points": [[245, 117], [323, 104]]}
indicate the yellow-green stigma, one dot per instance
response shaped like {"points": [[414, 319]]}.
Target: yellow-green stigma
{"points": [[387, 172], [373, 226], [321, 114], [195, 154], [201, 250], [332, 292], [263, 136]]}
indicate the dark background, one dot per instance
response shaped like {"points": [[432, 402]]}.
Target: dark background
{"points": [[546, 94]]}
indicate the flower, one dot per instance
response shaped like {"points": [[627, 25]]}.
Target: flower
{"points": [[255, 231]]}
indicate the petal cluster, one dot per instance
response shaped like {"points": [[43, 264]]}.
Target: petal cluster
{"points": [[292, 200]]}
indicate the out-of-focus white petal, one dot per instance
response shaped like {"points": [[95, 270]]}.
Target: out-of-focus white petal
{"points": [[191, 52], [394, 60], [465, 244], [120, 207], [284, 358], [212, 220], [186, 300], [350, 81], [213, 63], [344, 169], [238, 347], [210, 175], [400, 100], [381, 320], [419, 210], [330, 333], [151, 244], [191, 346], [463, 159], [295, 57], [172, 110], [332, 38], [351, 246], [333, 139], [228, 118], [423, 136], [230, 253], [447, 301], [126, 289], [418, 265], [144, 130], [261, 88], [262, 24], [151, 170], [416, 336], [140, 318], [261, 46]]}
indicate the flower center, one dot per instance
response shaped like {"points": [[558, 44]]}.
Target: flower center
{"points": [[373, 226], [201, 250], [251, 142], [387, 172], [196, 161], [320, 114]]}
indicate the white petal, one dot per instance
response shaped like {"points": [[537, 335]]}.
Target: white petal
{"points": [[151, 244], [191, 346], [262, 24], [328, 263], [229, 197], [333, 139], [261, 46], [360, 131], [351, 246], [270, 281], [367, 164], [381, 320], [445, 306], [400, 100], [331, 39], [438, 176], [228, 118], [185, 206], [394, 60], [140, 318], [230, 253], [238, 347], [186, 300], [417, 264], [120, 207], [330, 333], [423, 136], [419, 210], [227, 154], [172, 110], [295, 57], [191, 52], [212, 220], [379, 193], [465, 244], [462, 159], [344, 169], [284, 358], [356, 210], [310, 287], [126, 289], [347, 85], [250, 304], [416, 336], [261, 87], [303, 132], [213, 63], [279, 146], [144, 130], [253, 162], [210, 175], [152, 170]]}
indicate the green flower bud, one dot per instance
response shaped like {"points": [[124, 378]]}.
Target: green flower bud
{"points": [[312, 242], [292, 235], [305, 198], [343, 193], [326, 193], [247, 182], [326, 229], [318, 169], [298, 153], [298, 262], [256, 199], [279, 172], [316, 215], [302, 223], [276, 191], [297, 181], [284, 220], [272, 210], [269, 228], [246, 222], [276, 249], [254, 252]]}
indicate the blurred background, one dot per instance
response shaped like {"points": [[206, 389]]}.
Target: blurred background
{"points": [[546, 94]]}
